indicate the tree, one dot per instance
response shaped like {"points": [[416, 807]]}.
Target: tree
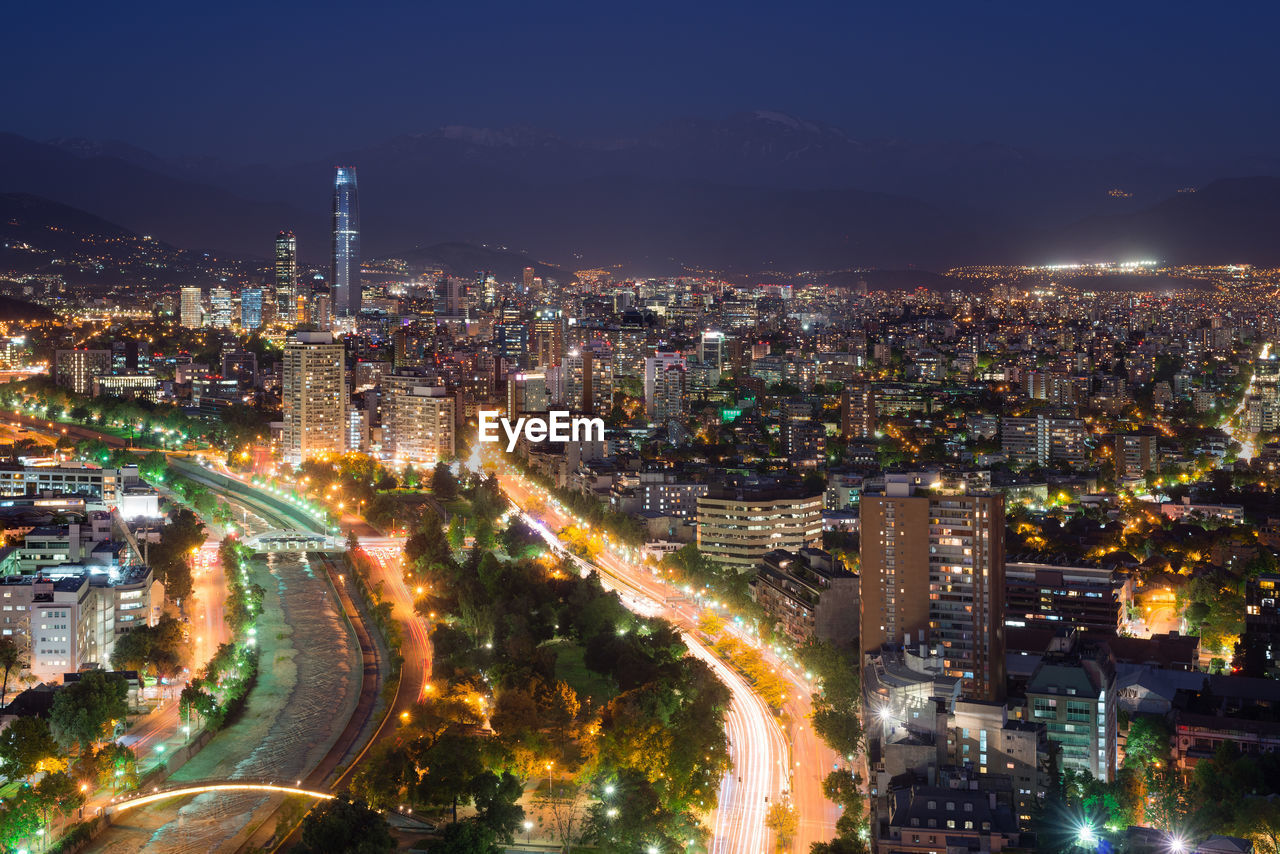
{"points": [[158, 648], [451, 764], [1147, 742], [171, 557], [383, 776], [568, 812], [23, 745], [340, 826], [466, 837], [59, 794], [839, 845], [496, 799], [783, 821], [10, 658], [153, 467], [19, 820], [84, 711], [1259, 821], [444, 486]]}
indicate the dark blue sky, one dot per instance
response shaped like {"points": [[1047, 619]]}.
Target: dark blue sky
{"points": [[284, 80]]}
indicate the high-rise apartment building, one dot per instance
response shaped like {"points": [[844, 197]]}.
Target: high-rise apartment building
{"points": [[658, 394], [711, 350], [1260, 644], [527, 392], [419, 422], [1073, 694], [76, 369], [952, 546], [547, 334], [1043, 439], [1134, 455], [858, 411], [314, 393], [575, 380], [670, 397], [632, 343], [345, 271], [190, 310], [586, 381], [286, 295]]}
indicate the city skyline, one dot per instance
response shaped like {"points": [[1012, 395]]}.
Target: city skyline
{"points": [[823, 429]]}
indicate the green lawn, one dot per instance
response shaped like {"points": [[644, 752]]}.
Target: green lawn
{"points": [[571, 668]]}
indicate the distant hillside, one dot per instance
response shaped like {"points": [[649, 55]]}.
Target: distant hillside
{"points": [[16, 309], [1233, 220], [759, 191], [179, 211], [467, 259], [53, 226], [39, 236]]}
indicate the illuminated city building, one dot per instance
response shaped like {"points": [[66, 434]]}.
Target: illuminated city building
{"points": [[419, 422], [953, 547], [738, 526], [251, 308], [345, 269], [286, 279], [191, 310], [76, 369], [547, 334], [314, 393]]}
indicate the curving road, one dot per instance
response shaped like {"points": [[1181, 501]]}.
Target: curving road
{"points": [[769, 762]]}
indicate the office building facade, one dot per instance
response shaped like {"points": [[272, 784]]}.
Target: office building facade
{"points": [[251, 308], [738, 526], [286, 279], [190, 308]]}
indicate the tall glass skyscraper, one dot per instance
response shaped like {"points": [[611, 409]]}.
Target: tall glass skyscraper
{"points": [[286, 275], [345, 281], [251, 308]]}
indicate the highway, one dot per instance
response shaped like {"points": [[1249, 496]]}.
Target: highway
{"points": [[767, 761]]}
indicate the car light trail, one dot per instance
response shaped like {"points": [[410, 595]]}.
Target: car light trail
{"points": [[757, 746]]}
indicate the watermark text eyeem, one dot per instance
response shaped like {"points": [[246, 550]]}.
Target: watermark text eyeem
{"points": [[558, 426]]}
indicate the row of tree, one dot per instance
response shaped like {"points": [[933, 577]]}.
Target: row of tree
{"points": [[544, 676]]}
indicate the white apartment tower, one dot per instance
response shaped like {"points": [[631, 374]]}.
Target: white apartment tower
{"points": [[190, 310], [315, 397], [420, 425]]}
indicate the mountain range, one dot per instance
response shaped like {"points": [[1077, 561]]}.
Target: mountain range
{"points": [[750, 193]]}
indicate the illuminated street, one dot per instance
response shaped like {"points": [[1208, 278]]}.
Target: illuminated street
{"points": [[387, 557], [759, 748]]}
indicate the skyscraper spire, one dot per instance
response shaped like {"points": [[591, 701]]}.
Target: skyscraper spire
{"points": [[345, 278]]}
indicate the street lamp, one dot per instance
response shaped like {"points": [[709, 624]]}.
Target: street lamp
{"points": [[528, 831]]}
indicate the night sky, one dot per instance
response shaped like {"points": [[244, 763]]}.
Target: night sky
{"points": [[282, 81]]}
